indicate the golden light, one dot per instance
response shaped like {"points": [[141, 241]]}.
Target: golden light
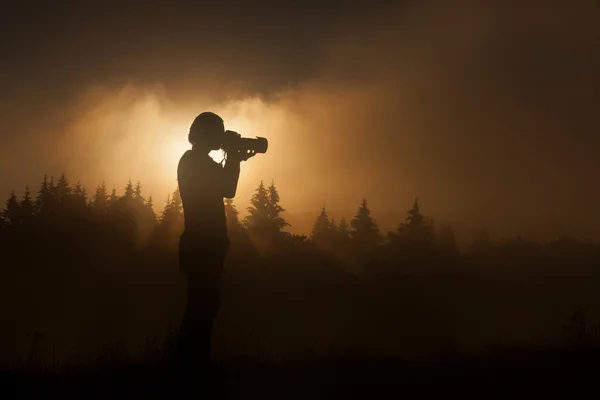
{"points": [[175, 144]]}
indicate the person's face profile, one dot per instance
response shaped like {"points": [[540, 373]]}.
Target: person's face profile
{"points": [[217, 134]]}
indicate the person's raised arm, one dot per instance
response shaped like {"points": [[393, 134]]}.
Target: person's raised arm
{"points": [[231, 175], [231, 171]]}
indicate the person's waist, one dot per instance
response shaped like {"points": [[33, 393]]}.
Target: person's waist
{"points": [[205, 228]]}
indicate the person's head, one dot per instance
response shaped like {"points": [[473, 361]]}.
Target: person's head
{"points": [[206, 132]]}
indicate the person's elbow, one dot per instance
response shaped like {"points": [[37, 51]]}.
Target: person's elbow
{"points": [[230, 193]]}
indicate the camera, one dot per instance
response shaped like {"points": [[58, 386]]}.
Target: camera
{"points": [[232, 142]]}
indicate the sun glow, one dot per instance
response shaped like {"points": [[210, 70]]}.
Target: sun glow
{"points": [[175, 144]]}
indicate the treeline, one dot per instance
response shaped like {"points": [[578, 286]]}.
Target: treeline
{"points": [[83, 268], [61, 212]]}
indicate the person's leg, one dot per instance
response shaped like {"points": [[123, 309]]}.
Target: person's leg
{"points": [[202, 307]]}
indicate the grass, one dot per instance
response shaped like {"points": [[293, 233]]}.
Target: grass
{"points": [[567, 368]]}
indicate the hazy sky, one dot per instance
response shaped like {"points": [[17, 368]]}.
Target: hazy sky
{"points": [[486, 110]]}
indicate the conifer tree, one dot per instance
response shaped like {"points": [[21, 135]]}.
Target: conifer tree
{"points": [[150, 203], [76, 203], [258, 216], [113, 198], [12, 211], [323, 231], [232, 217], [80, 191], [52, 200], [26, 206], [177, 203], [264, 211], [137, 193], [275, 209], [343, 231], [100, 198], [365, 230], [62, 188], [171, 222], [129, 191], [416, 230], [41, 199]]}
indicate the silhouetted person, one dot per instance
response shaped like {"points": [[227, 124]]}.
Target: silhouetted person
{"points": [[203, 183]]}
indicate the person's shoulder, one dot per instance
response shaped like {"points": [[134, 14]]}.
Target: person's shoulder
{"points": [[186, 156], [197, 160]]}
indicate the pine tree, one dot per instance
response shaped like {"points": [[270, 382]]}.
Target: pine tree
{"points": [[52, 200], [100, 198], [112, 200], [167, 208], [264, 211], [129, 191], [416, 229], [173, 211], [171, 222], [232, 217], [150, 207], [258, 217], [150, 203], [264, 220], [274, 209], [12, 211], [137, 193], [365, 230], [323, 231], [177, 203], [41, 199], [62, 188], [77, 201], [80, 191], [343, 231], [27, 206]]}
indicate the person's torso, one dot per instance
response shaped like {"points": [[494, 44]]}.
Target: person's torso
{"points": [[199, 186]]}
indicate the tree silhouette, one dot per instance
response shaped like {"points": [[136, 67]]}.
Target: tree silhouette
{"points": [[365, 231], [80, 192], [62, 188], [137, 193], [171, 222], [129, 191], [416, 231], [263, 222], [150, 203], [150, 214], [234, 225], [99, 204], [42, 198], [113, 198], [324, 231], [275, 209], [26, 207], [52, 200], [343, 231], [76, 202], [258, 218], [12, 211]]}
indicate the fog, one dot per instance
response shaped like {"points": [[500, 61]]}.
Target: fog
{"points": [[484, 111]]}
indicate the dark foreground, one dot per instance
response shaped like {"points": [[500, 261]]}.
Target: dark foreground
{"points": [[508, 372]]}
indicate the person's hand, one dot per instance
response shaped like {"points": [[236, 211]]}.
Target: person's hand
{"points": [[239, 155]]}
